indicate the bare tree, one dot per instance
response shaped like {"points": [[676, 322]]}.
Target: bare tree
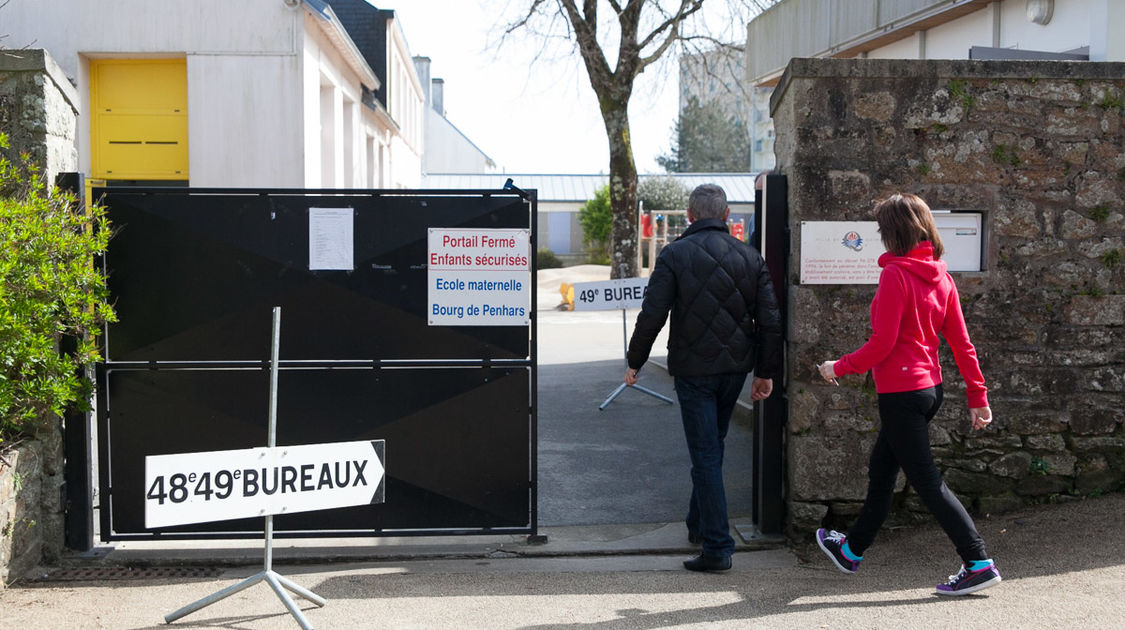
{"points": [[643, 31]]}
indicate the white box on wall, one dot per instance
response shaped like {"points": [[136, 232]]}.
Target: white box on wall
{"points": [[961, 233]]}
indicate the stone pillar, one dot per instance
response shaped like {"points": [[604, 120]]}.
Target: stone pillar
{"points": [[1037, 147], [38, 111]]}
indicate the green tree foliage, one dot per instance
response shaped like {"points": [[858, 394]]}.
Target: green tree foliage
{"points": [[706, 140], [596, 218], [48, 288], [662, 193]]}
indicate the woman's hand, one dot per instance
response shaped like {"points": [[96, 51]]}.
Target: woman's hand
{"points": [[828, 372], [982, 417]]}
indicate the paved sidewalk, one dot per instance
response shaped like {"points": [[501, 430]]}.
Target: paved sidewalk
{"points": [[1063, 567]]}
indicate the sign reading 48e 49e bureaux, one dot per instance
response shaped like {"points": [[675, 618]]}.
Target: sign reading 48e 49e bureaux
{"points": [[479, 277], [222, 485]]}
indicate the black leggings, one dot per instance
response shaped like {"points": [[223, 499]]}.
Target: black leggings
{"points": [[904, 441]]}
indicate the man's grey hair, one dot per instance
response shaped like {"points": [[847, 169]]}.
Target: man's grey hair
{"points": [[708, 201]]}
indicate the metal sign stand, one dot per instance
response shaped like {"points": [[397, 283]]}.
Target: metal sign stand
{"points": [[267, 574], [621, 387]]}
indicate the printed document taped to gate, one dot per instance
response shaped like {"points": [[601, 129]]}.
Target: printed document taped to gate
{"points": [[478, 277], [331, 239], [222, 485]]}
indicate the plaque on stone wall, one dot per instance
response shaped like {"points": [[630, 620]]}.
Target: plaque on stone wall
{"points": [[840, 252]]}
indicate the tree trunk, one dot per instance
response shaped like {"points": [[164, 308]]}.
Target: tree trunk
{"points": [[622, 188]]}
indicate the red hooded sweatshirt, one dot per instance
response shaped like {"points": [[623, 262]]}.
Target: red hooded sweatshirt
{"points": [[916, 299]]}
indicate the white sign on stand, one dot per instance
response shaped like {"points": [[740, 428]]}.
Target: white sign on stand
{"points": [[840, 252], [220, 485], [610, 295], [479, 277], [182, 477]]}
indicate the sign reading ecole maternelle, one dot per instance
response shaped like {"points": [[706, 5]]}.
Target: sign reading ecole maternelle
{"points": [[222, 485], [479, 277]]}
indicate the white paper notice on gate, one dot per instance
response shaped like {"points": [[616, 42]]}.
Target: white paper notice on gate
{"points": [[222, 485], [840, 252], [331, 239], [479, 277]]}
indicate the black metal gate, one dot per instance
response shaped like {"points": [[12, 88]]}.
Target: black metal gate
{"points": [[194, 274], [771, 234]]}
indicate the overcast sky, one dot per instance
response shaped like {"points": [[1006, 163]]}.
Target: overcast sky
{"points": [[529, 118]]}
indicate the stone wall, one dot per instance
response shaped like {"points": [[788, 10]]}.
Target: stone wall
{"points": [[38, 111], [1038, 148], [31, 506]]}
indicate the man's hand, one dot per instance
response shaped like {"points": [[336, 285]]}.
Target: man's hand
{"points": [[761, 388], [631, 376], [982, 417]]}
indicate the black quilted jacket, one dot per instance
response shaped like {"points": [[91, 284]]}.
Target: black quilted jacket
{"points": [[724, 313]]}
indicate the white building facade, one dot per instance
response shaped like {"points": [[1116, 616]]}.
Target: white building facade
{"points": [[212, 93], [929, 29], [447, 149]]}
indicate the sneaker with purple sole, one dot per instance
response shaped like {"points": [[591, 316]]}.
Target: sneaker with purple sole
{"points": [[980, 574], [835, 546]]}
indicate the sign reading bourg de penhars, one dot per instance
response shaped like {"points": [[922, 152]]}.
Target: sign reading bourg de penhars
{"points": [[609, 295], [221, 485], [479, 277]]}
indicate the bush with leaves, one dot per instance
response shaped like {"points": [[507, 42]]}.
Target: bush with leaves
{"points": [[546, 259], [596, 219], [662, 193], [48, 288]]}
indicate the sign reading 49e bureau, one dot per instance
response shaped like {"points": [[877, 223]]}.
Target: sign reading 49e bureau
{"points": [[222, 485], [479, 277]]}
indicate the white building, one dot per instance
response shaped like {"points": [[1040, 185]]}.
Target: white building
{"points": [[214, 93], [447, 149], [930, 29]]}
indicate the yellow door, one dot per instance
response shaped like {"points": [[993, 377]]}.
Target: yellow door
{"points": [[139, 125]]}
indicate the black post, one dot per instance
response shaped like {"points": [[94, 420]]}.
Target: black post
{"points": [[772, 413], [78, 489]]}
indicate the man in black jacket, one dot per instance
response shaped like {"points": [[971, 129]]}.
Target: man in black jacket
{"points": [[725, 324]]}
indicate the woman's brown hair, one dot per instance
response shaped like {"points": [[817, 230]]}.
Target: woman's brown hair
{"points": [[904, 221]]}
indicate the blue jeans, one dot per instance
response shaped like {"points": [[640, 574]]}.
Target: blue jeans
{"points": [[706, 404]]}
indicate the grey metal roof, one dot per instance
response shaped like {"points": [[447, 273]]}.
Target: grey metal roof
{"points": [[738, 186]]}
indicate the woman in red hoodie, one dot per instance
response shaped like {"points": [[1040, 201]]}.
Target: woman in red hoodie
{"points": [[915, 302]]}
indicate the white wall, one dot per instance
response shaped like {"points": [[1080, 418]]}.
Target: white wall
{"points": [[902, 49], [405, 165], [406, 99], [243, 90], [1070, 26], [337, 91], [1107, 43], [448, 151], [1074, 24], [255, 69], [952, 40], [66, 27], [244, 116]]}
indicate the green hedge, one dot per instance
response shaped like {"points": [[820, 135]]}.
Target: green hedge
{"points": [[48, 288]]}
